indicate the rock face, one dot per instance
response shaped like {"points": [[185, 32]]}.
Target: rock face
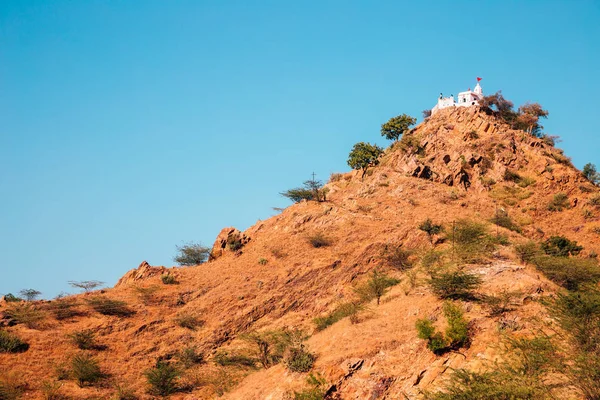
{"points": [[142, 272], [228, 240]]}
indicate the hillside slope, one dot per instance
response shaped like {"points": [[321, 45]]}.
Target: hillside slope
{"points": [[460, 164]]}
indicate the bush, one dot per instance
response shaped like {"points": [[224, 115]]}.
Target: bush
{"points": [[502, 219], [234, 242], [560, 246], [51, 391], [559, 202], [11, 343], [84, 340], [85, 369], [25, 313], [65, 309], [594, 200], [224, 358], [570, 273], [397, 126], [168, 279], [106, 306], [189, 357], [319, 240], [350, 309], [435, 340], [317, 390], [502, 303], [146, 294], [456, 335], [471, 242], [375, 287], [11, 298], [191, 254], [527, 251], [299, 359], [431, 229], [399, 259], [262, 261], [11, 386], [590, 173], [312, 190], [188, 320], [455, 285], [432, 259], [162, 379]]}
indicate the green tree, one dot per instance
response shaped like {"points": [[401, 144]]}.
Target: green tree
{"points": [[376, 286], [397, 126], [363, 156], [590, 173], [312, 189], [528, 118], [191, 254]]}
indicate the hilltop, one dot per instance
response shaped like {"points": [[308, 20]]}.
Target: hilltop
{"points": [[460, 166]]}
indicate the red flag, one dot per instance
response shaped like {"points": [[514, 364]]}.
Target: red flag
{"points": [[478, 79]]}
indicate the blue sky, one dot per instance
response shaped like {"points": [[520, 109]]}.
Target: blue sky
{"points": [[130, 127]]}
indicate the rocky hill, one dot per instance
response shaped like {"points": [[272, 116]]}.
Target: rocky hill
{"points": [[459, 167]]}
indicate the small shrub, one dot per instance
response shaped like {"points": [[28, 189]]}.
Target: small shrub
{"points": [[189, 357], [594, 200], [471, 242], [455, 285], [375, 287], [502, 303], [334, 177], [399, 258], [511, 176], [11, 386], [319, 240], [431, 229], [527, 251], [503, 219], [11, 343], [350, 309], [299, 359], [571, 273], [224, 358], [106, 306], [188, 320], [51, 391], [162, 379], [168, 279], [560, 246], [435, 340], [234, 242], [25, 313], [65, 309], [146, 294], [456, 335], [84, 340], [559, 202], [316, 391], [11, 298], [432, 259], [124, 393], [85, 369]]}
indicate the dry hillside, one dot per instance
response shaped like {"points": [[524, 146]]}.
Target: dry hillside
{"points": [[460, 164]]}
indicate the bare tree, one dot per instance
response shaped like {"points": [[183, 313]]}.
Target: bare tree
{"points": [[30, 294]]}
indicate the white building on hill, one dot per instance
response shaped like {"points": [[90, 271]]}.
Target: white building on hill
{"points": [[465, 99]]}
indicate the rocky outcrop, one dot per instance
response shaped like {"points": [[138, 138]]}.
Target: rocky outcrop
{"points": [[228, 240], [142, 272]]}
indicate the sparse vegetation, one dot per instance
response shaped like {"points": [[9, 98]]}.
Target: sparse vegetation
{"points": [[11, 343], [471, 241], [431, 229], [559, 202], [455, 285], [503, 219], [527, 251], [162, 379], [85, 369], [106, 306], [25, 313], [147, 294], [349, 309], [397, 126], [571, 273], [319, 240], [64, 308], [11, 386], [224, 358], [234, 242], [501, 303], [189, 356], [11, 298], [594, 200], [262, 261], [191, 254], [364, 155]]}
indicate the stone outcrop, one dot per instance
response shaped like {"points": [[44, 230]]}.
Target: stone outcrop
{"points": [[228, 240], [143, 271]]}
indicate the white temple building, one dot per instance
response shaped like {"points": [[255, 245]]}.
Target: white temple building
{"points": [[465, 99]]}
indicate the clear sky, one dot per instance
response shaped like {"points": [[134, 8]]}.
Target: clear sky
{"points": [[130, 127]]}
